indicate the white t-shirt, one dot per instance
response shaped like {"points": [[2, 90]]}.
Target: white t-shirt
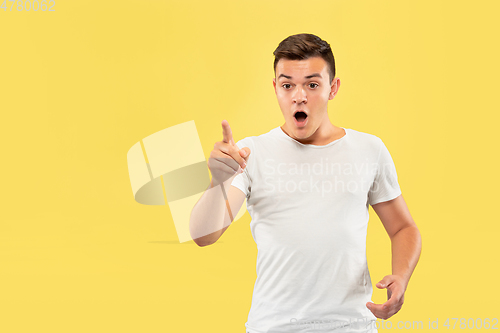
{"points": [[309, 209]]}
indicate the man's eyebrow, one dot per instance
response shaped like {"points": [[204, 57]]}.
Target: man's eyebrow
{"points": [[307, 77]]}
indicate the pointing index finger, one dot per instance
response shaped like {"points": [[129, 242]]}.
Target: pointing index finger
{"points": [[227, 133]]}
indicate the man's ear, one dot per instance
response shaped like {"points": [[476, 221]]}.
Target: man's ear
{"points": [[334, 88], [274, 85]]}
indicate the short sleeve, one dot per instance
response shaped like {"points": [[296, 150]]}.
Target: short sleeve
{"points": [[385, 186], [243, 180]]}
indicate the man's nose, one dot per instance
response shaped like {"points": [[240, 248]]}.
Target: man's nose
{"points": [[299, 96]]}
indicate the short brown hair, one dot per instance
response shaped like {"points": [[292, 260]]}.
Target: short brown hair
{"points": [[305, 46]]}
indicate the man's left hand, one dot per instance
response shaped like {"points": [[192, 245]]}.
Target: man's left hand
{"points": [[396, 288]]}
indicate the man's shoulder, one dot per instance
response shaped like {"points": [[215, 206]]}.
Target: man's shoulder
{"points": [[363, 135], [364, 138]]}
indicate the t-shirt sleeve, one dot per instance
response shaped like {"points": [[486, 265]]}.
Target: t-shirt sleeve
{"points": [[243, 180], [385, 186]]}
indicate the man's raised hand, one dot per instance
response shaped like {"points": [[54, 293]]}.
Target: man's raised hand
{"points": [[226, 158]]}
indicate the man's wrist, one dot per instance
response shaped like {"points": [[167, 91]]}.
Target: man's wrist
{"points": [[403, 279]]}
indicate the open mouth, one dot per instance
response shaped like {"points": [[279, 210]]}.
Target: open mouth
{"points": [[300, 116]]}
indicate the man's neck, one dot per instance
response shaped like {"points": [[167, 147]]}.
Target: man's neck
{"points": [[321, 137]]}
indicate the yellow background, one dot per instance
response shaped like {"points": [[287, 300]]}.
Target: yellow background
{"points": [[81, 85]]}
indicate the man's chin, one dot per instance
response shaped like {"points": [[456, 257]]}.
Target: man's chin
{"points": [[301, 133], [295, 132]]}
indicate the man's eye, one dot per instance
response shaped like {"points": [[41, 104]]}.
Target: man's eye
{"points": [[313, 84], [286, 86]]}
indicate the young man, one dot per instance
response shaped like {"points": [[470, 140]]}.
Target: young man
{"points": [[308, 185]]}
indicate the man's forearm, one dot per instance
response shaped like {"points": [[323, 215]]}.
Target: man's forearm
{"points": [[406, 248], [209, 216]]}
